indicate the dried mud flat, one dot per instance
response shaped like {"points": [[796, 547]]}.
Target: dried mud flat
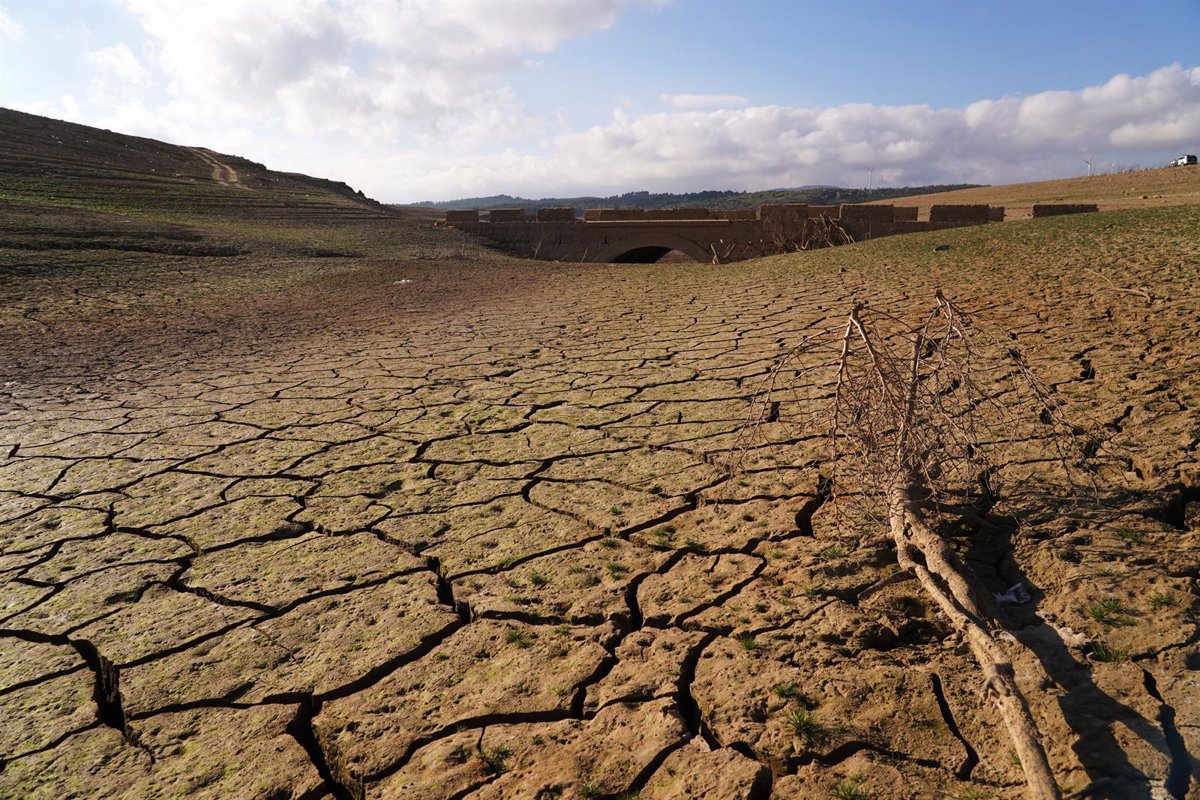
{"points": [[432, 523]]}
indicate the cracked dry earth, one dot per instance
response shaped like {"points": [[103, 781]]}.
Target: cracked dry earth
{"points": [[310, 531]]}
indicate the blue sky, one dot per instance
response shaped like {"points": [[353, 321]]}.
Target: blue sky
{"points": [[828, 53], [430, 99]]}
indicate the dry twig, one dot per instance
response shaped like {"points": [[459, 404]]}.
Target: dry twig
{"points": [[792, 232], [1141, 292]]}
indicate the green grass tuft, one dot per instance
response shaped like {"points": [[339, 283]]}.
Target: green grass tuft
{"points": [[804, 725], [850, 789], [1107, 654], [1110, 612]]}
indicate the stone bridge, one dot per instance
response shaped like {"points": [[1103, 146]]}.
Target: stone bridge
{"points": [[706, 236]]}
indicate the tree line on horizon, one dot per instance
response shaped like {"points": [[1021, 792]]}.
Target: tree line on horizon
{"points": [[715, 199]]}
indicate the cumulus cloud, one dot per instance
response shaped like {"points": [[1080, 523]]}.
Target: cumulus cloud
{"points": [[371, 68], [1022, 138], [703, 100], [10, 27], [118, 63], [413, 99], [1047, 134]]}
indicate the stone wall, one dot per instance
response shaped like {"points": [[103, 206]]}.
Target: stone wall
{"points": [[859, 213], [704, 235], [556, 215], [645, 215], [966, 214], [871, 220], [1055, 209], [783, 214]]}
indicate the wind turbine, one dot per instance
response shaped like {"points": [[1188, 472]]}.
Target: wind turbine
{"points": [[870, 177], [1090, 162]]}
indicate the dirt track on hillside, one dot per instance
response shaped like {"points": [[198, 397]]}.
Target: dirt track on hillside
{"points": [[221, 172]]}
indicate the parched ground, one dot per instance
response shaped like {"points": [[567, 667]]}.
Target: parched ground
{"points": [[429, 522]]}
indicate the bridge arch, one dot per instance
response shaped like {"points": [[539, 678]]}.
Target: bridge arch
{"points": [[649, 246]]}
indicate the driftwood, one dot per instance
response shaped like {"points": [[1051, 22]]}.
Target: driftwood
{"points": [[914, 406], [901, 406], [1140, 291], [718, 258], [944, 578]]}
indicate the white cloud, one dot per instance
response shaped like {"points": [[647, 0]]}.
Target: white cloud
{"points": [[703, 100], [370, 68], [307, 77], [65, 107], [412, 99], [10, 27], [1039, 136], [118, 63], [991, 141], [1027, 138]]}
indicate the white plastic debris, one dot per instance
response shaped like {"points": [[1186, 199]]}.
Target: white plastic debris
{"points": [[1016, 595]]}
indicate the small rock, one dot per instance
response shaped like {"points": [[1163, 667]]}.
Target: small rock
{"points": [[941, 248]]}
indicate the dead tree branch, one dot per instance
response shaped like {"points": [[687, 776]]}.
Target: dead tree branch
{"points": [[916, 406], [791, 232], [1140, 291]]}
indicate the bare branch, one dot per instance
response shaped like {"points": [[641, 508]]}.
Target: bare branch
{"points": [[916, 407]]}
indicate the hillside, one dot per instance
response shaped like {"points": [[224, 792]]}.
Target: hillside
{"points": [[66, 187], [57, 164], [1151, 188]]}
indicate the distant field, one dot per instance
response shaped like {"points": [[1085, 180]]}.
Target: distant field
{"points": [[342, 505], [1155, 188]]}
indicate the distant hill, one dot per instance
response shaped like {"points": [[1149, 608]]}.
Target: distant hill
{"points": [[816, 195]]}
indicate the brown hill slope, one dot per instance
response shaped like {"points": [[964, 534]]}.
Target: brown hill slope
{"points": [[1152, 188], [71, 188], [52, 163]]}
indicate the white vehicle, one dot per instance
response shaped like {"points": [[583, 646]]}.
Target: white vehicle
{"points": [[1184, 161]]}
